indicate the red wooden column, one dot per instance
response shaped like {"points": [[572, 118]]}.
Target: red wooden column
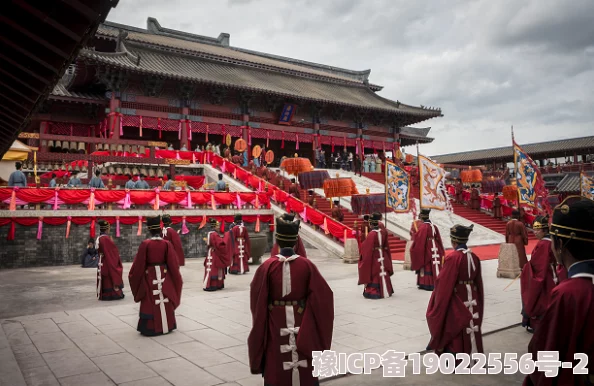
{"points": [[114, 125], [316, 129], [43, 129], [184, 133], [246, 121]]}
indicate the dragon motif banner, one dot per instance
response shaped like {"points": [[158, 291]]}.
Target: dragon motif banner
{"points": [[587, 186], [433, 190], [528, 177], [397, 188]]}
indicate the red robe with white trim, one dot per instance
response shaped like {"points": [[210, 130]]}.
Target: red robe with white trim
{"points": [[269, 342], [216, 262], [422, 259], [109, 270], [156, 283], [240, 251], [452, 319], [538, 278], [568, 319], [173, 237], [375, 266], [299, 249]]}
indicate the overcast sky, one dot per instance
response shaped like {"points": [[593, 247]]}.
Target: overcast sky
{"points": [[487, 64]]}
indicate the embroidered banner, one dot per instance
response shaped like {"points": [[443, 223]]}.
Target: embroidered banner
{"points": [[531, 189], [433, 191], [287, 114], [587, 186], [397, 188]]}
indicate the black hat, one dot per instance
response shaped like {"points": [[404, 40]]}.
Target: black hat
{"points": [[574, 219], [153, 223], [336, 201], [286, 230], [460, 233], [166, 219], [18, 165], [292, 180], [288, 216], [375, 218], [516, 213], [213, 222], [366, 217], [103, 225], [540, 222], [311, 192], [238, 218], [220, 176], [424, 213]]}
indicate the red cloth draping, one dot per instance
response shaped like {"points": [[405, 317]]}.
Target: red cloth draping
{"points": [[195, 182], [34, 195], [172, 197], [110, 195], [74, 196]]}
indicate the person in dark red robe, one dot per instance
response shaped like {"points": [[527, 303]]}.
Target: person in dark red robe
{"points": [[375, 263], [566, 326], [217, 259], [109, 268], [172, 236], [310, 197], [497, 210], [455, 311], [475, 198], [337, 211], [538, 277], [515, 233], [237, 159], [156, 282], [240, 247], [294, 190], [426, 253], [299, 247], [459, 190], [292, 310]]}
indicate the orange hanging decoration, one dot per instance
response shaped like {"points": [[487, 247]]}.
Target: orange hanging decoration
{"points": [[258, 224], [269, 156], [228, 140], [257, 151], [240, 145], [139, 233]]}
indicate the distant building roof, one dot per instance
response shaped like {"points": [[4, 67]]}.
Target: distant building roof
{"points": [[544, 149], [569, 184]]}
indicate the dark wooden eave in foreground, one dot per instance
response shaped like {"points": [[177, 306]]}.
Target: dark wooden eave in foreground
{"points": [[551, 149], [38, 41]]}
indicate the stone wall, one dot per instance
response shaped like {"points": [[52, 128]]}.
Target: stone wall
{"points": [[55, 249]]}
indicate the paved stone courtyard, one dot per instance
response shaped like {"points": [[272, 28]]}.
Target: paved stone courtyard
{"points": [[57, 333]]}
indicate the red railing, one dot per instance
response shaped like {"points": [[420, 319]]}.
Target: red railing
{"points": [[306, 212]]}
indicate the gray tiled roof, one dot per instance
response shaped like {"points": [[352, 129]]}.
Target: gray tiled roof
{"points": [[179, 40], [506, 152], [61, 91], [569, 184], [192, 68]]}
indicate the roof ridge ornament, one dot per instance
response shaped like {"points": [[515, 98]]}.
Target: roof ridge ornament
{"points": [[154, 27]]}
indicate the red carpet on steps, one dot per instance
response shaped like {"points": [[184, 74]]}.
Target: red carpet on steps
{"points": [[484, 252]]}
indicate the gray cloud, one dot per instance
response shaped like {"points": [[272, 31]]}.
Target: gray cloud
{"points": [[487, 64]]}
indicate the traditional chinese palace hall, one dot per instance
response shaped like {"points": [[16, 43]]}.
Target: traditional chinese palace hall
{"points": [[155, 87]]}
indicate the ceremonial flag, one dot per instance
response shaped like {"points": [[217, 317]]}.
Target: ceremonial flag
{"points": [[587, 186], [432, 180], [530, 183], [397, 188]]}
